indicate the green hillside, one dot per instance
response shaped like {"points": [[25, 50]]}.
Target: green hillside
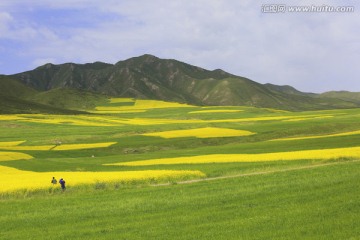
{"points": [[149, 77], [69, 99], [343, 95], [261, 173], [15, 97]]}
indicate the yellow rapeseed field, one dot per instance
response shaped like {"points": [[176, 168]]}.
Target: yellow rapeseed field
{"points": [[83, 146], [139, 106], [121, 100], [307, 118], [61, 147], [321, 154], [208, 132], [63, 119], [8, 156], [9, 144], [105, 110], [13, 179], [10, 117], [217, 111], [319, 136], [158, 104]]}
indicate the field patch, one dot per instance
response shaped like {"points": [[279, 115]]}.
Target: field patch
{"points": [[13, 179], [158, 104], [8, 117], [105, 110], [139, 106], [60, 119], [322, 154], [296, 119], [9, 144], [112, 121], [208, 132], [218, 111], [9, 156], [121, 100], [319, 136], [62, 147]]}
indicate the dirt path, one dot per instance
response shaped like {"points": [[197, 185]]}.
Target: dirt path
{"points": [[260, 173]]}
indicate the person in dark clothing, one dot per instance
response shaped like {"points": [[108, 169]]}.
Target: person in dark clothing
{"points": [[54, 181], [62, 183]]}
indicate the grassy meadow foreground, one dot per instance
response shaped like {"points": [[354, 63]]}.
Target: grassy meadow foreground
{"points": [[251, 173]]}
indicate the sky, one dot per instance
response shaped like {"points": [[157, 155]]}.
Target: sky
{"points": [[314, 50]]}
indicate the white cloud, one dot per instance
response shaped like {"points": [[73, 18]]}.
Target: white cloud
{"points": [[5, 19], [307, 50]]}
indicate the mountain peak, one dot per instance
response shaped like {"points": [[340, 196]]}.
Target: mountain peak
{"points": [[150, 77], [147, 58]]}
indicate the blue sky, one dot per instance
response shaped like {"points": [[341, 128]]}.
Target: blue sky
{"points": [[312, 51]]}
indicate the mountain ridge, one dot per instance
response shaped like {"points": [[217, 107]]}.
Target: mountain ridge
{"points": [[150, 77]]}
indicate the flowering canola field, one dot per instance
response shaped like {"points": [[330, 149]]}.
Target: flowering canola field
{"points": [[8, 144], [208, 132], [139, 106], [9, 156], [297, 119], [144, 105], [352, 152], [127, 132], [217, 111], [13, 179], [319, 136], [59, 147]]}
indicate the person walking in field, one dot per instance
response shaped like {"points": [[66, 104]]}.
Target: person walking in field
{"points": [[62, 183], [54, 181]]}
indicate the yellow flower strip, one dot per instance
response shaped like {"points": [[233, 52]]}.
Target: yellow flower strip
{"points": [[319, 136], [10, 117], [353, 152], [13, 179], [105, 110], [123, 109], [9, 156], [27, 148], [59, 147], [86, 120], [83, 146], [13, 143], [208, 132], [217, 111], [158, 104], [140, 106], [307, 118], [121, 100], [66, 120]]}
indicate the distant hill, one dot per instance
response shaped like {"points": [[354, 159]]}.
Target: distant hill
{"points": [[149, 77], [288, 90], [343, 95], [15, 97]]}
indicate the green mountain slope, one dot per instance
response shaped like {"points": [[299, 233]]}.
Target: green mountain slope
{"points": [[343, 95], [69, 98], [149, 77], [287, 89], [15, 97]]}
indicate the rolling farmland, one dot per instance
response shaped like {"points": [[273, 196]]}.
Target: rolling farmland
{"points": [[126, 163]]}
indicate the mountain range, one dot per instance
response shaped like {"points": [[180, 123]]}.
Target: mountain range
{"points": [[70, 87]]}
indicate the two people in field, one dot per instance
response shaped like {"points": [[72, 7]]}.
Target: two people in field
{"points": [[61, 181]]}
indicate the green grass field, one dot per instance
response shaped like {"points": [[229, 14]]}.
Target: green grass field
{"points": [[307, 197]]}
